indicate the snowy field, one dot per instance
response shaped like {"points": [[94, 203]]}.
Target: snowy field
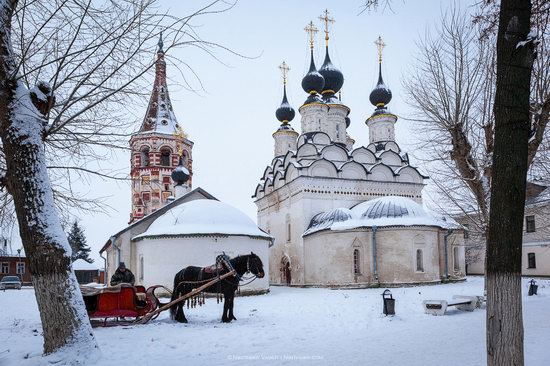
{"points": [[294, 326]]}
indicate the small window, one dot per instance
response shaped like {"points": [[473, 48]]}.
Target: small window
{"points": [[530, 224], [141, 268], [531, 260], [456, 262], [288, 236], [20, 268], [356, 262], [288, 229], [145, 156], [5, 268], [419, 261], [165, 157], [466, 231]]}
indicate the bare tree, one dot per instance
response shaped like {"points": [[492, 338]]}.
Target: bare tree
{"points": [[451, 90], [71, 72]]}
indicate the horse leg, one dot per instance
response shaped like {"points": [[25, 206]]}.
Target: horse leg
{"points": [[231, 303], [225, 318], [180, 316]]}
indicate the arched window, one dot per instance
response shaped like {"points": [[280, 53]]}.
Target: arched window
{"points": [[165, 157], [288, 229], [456, 263], [419, 261], [356, 262], [185, 158], [145, 156]]}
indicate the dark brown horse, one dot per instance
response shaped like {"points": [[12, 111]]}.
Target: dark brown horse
{"points": [[192, 277]]}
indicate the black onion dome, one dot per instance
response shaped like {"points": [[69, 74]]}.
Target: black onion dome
{"points": [[285, 113], [381, 94], [180, 175], [334, 79], [313, 82]]}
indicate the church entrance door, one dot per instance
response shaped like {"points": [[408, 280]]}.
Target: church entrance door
{"points": [[286, 275]]}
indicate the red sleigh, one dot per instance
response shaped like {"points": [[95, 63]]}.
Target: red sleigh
{"points": [[123, 303]]}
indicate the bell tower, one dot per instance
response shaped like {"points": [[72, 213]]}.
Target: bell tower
{"points": [[156, 148]]}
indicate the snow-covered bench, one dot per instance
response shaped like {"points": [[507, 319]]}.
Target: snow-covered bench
{"points": [[462, 302]]}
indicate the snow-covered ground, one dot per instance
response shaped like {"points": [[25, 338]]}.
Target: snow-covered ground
{"points": [[292, 326]]}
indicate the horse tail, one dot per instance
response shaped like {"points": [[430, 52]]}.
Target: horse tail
{"points": [[176, 293]]}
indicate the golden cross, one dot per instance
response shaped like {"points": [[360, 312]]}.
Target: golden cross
{"points": [[180, 134], [380, 45], [311, 29], [326, 19], [284, 70]]}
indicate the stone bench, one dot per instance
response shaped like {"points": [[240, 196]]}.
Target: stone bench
{"points": [[462, 302]]}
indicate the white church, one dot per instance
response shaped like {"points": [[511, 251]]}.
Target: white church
{"points": [[343, 215], [173, 226]]}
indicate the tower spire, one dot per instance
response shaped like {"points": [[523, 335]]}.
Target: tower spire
{"points": [[325, 18], [160, 44]]}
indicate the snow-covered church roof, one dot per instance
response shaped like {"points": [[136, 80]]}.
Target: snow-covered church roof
{"points": [[203, 216], [384, 211]]}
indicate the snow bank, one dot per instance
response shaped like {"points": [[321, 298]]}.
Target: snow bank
{"points": [[295, 326]]}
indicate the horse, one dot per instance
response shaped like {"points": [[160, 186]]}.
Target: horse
{"points": [[183, 283]]}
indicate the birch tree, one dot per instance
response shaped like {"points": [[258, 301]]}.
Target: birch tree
{"points": [[71, 72]]}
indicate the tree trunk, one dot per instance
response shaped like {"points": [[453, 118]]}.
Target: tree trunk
{"points": [[65, 323], [62, 311], [504, 242]]}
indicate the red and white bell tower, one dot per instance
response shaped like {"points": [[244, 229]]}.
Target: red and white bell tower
{"points": [[156, 149]]}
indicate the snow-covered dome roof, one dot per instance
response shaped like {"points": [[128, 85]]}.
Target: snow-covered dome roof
{"points": [[384, 211], [203, 216], [391, 207]]}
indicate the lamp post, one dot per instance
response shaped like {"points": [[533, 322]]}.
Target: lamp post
{"points": [[19, 265]]}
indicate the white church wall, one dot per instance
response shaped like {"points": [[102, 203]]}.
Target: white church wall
{"points": [[314, 118], [382, 127], [336, 118], [330, 258], [396, 248], [164, 257]]}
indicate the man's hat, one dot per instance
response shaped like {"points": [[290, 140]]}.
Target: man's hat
{"points": [[121, 265]]}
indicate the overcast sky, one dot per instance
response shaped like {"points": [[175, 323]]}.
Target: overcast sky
{"points": [[232, 121]]}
